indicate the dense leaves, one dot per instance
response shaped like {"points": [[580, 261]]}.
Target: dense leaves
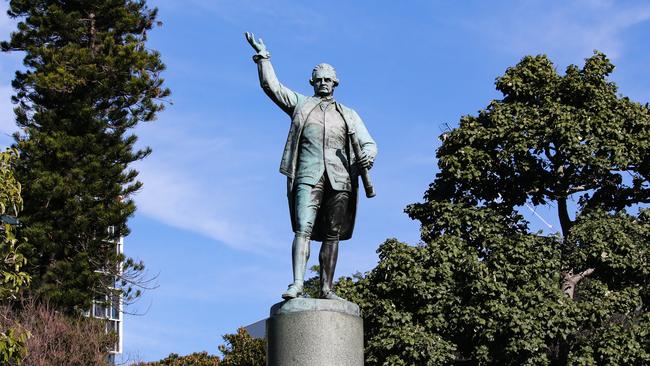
{"points": [[194, 359], [12, 278], [482, 288], [89, 79], [13, 341], [240, 349], [551, 138]]}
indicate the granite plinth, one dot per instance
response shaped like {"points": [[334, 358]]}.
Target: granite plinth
{"points": [[314, 332]]}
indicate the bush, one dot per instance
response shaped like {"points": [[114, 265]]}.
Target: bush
{"points": [[55, 339]]}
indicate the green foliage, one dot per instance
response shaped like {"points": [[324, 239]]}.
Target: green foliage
{"points": [[10, 200], [312, 284], [240, 349], [12, 278], [194, 359], [89, 79], [12, 260], [551, 138], [614, 317], [481, 288], [447, 301], [13, 346]]}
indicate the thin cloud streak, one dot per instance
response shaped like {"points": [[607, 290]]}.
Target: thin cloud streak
{"points": [[6, 24], [173, 199], [7, 117], [205, 198], [571, 31], [235, 12], [9, 62]]}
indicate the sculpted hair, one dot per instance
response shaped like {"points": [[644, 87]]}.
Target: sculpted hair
{"points": [[324, 70]]}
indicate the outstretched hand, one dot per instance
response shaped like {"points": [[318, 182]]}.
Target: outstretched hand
{"points": [[258, 45]]}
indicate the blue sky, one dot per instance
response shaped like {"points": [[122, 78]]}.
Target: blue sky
{"points": [[212, 219]]}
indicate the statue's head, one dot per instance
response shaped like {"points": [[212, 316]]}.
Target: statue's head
{"points": [[323, 79]]}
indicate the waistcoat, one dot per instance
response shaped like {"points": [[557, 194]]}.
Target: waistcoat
{"points": [[322, 148]]}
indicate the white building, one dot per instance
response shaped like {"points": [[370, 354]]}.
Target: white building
{"points": [[110, 309]]}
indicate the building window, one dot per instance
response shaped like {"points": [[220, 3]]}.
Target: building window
{"points": [[100, 309]]}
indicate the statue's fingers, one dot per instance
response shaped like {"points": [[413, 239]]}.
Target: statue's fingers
{"points": [[252, 39], [261, 42]]}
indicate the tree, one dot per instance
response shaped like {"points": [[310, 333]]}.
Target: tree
{"points": [[240, 349], [13, 279], [11, 259], [482, 288], [56, 339], [89, 79], [194, 359]]}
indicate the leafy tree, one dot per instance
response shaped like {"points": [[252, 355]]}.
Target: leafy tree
{"points": [[194, 359], [482, 288], [240, 349], [11, 260], [89, 79], [12, 278], [312, 284]]}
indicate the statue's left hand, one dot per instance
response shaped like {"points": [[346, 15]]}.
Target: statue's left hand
{"points": [[365, 161]]}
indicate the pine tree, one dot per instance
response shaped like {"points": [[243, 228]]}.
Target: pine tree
{"points": [[89, 79]]}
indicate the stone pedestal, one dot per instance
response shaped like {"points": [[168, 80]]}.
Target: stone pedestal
{"points": [[314, 332]]}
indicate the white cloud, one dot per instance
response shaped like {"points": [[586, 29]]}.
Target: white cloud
{"points": [[7, 118], [302, 21], [241, 10], [6, 24], [195, 182], [567, 30], [9, 62], [172, 197]]}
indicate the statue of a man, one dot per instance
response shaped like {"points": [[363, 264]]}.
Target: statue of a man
{"points": [[320, 165]]}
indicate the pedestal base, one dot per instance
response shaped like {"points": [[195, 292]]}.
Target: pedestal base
{"points": [[314, 332]]}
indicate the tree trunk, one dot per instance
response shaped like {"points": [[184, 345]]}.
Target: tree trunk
{"points": [[563, 213], [570, 281]]}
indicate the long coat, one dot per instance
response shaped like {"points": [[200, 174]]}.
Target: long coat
{"points": [[299, 106], [288, 164]]}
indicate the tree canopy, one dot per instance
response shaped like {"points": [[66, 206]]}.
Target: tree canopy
{"points": [[482, 288], [551, 138], [88, 79], [240, 349]]}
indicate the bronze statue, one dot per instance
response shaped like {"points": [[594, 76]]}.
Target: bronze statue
{"points": [[321, 166]]}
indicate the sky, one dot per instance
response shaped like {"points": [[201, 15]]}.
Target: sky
{"points": [[212, 224]]}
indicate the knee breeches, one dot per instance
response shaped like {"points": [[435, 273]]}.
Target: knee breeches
{"points": [[320, 202]]}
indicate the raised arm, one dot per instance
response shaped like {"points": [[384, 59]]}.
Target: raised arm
{"points": [[284, 97]]}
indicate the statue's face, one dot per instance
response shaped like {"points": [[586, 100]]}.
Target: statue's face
{"points": [[323, 86]]}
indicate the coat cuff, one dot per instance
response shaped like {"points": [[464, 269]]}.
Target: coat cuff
{"points": [[263, 55]]}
